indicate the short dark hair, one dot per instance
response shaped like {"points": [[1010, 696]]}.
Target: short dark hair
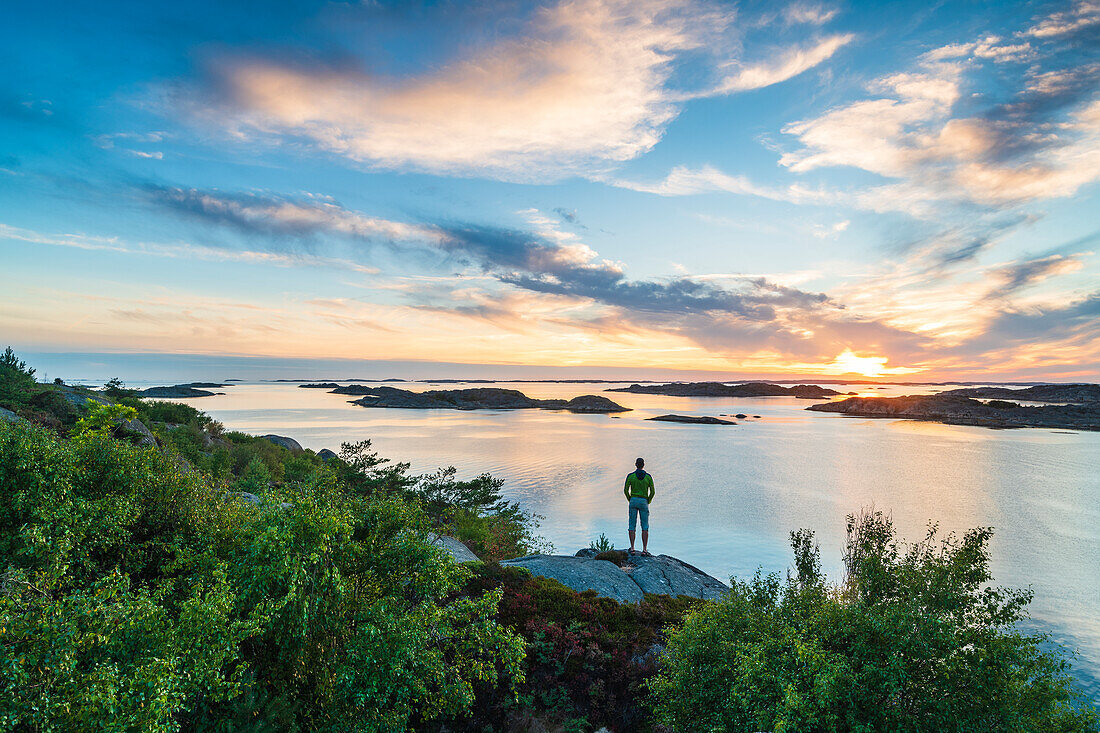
{"points": [[640, 462]]}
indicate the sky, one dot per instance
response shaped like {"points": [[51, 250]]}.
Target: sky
{"points": [[902, 190]]}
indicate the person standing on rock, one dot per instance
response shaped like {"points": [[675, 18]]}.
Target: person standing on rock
{"points": [[639, 492]]}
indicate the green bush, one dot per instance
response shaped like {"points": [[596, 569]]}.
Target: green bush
{"points": [[588, 657], [17, 383], [138, 595], [914, 640]]}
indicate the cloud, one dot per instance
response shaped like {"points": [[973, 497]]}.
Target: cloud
{"points": [[1042, 141], [277, 215], [933, 299], [569, 216], [182, 250], [825, 232], [786, 65], [1083, 16], [587, 85], [685, 181], [810, 13], [1019, 275]]}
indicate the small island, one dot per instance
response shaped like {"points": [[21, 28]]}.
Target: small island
{"points": [[692, 419], [720, 389], [478, 398], [957, 410], [181, 391]]}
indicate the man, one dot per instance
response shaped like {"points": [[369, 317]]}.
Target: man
{"points": [[639, 492]]}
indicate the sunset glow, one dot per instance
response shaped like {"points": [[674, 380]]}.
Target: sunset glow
{"points": [[683, 185]]}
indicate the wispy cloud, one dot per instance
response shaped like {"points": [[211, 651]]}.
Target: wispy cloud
{"points": [[1083, 16], [685, 181], [787, 64], [181, 250], [811, 13]]}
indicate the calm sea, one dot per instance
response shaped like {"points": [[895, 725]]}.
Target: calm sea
{"points": [[728, 496]]}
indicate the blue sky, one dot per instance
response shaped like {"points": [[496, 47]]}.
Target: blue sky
{"points": [[890, 189]]}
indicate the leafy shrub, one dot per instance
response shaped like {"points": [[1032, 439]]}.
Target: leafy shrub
{"points": [[163, 411], [138, 596], [914, 639], [587, 657]]}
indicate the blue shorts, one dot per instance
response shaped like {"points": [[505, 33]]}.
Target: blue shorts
{"points": [[638, 505]]}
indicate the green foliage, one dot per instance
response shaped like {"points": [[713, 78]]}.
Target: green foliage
{"points": [[138, 595], [915, 639], [255, 479], [103, 419], [115, 389], [9, 362], [603, 544], [17, 383], [587, 657], [163, 411]]}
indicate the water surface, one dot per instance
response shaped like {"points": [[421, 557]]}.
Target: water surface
{"points": [[728, 496]]}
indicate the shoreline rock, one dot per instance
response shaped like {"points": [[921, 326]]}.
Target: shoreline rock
{"points": [[638, 575], [581, 574]]}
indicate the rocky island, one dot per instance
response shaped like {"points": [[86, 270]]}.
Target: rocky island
{"points": [[692, 419], [1070, 393], [958, 410], [720, 389], [477, 398], [180, 391]]}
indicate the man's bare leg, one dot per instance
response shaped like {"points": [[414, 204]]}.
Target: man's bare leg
{"points": [[631, 533], [645, 540]]}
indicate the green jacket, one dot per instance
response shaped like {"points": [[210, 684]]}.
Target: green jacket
{"points": [[639, 483]]}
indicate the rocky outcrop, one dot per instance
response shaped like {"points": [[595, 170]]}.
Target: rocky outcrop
{"points": [[326, 455], [79, 398], [660, 574], [290, 444], [693, 419], [957, 410], [1070, 393], [719, 389], [8, 416], [320, 385], [453, 547], [581, 574], [477, 398], [137, 428], [666, 575]]}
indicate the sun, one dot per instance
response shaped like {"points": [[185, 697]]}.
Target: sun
{"points": [[869, 366]]}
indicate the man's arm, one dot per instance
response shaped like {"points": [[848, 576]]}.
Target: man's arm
{"points": [[626, 487], [649, 485]]}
